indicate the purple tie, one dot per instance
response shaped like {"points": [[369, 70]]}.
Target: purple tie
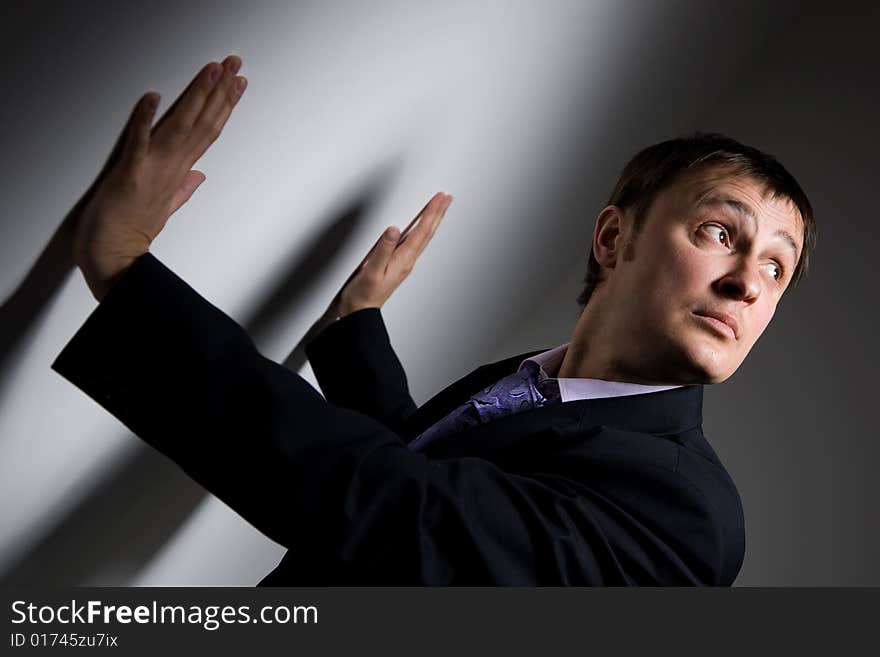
{"points": [[521, 391]]}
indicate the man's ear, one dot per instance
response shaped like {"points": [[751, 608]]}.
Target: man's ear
{"points": [[610, 236]]}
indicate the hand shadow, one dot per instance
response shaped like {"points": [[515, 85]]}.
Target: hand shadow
{"points": [[21, 309]]}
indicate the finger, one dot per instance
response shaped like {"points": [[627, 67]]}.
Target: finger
{"points": [[399, 240], [137, 132], [218, 107], [422, 233], [215, 123], [189, 185], [420, 223], [412, 223], [177, 122], [120, 148]]}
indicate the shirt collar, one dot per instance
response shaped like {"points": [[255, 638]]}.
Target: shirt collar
{"points": [[573, 389]]}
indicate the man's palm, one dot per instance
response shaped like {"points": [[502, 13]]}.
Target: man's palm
{"points": [[149, 176]]}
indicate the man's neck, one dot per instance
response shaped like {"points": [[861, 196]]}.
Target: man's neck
{"points": [[593, 354], [578, 364], [583, 357]]}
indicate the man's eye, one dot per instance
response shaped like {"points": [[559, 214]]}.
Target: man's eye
{"points": [[718, 233], [775, 270]]}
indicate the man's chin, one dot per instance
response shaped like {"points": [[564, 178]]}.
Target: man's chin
{"points": [[694, 362], [682, 373], [718, 379], [704, 366], [694, 378], [710, 373]]}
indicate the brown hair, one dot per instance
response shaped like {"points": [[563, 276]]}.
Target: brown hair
{"points": [[654, 168]]}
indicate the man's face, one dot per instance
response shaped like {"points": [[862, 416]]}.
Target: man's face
{"points": [[701, 280]]}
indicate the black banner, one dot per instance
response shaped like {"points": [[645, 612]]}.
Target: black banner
{"points": [[411, 621]]}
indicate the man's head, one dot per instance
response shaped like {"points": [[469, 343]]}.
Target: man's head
{"points": [[699, 241]]}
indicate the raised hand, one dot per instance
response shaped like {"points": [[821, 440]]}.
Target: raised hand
{"points": [[149, 174], [390, 260]]}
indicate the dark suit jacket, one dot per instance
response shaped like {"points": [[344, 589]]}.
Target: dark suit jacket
{"points": [[618, 491]]}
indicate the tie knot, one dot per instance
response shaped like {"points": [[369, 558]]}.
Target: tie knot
{"points": [[547, 388]]}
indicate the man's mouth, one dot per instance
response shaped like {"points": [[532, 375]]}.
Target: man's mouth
{"points": [[722, 322]]}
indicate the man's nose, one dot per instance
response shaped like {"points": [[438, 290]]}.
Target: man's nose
{"points": [[742, 283]]}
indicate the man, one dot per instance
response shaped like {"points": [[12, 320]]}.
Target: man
{"points": [[581, 465]]}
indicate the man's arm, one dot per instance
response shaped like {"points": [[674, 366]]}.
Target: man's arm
{"points": [[356, 367], [187, 379]]}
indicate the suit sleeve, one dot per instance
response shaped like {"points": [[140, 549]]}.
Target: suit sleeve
{"points": [[357, 368], [187, 379]]}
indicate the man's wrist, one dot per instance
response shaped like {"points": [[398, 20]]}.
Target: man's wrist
{"points": [[100, 278], [343, 310]]}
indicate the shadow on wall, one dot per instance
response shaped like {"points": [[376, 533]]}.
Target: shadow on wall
{"points": [[116, 530]]}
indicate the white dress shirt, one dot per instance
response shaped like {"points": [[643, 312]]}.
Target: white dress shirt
{"points": [[576, 389]]}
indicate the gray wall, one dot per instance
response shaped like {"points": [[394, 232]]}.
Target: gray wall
{"points": [[355, 114]]}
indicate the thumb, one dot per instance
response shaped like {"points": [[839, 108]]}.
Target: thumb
{"points": [[189, 185], [381, 252]]}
